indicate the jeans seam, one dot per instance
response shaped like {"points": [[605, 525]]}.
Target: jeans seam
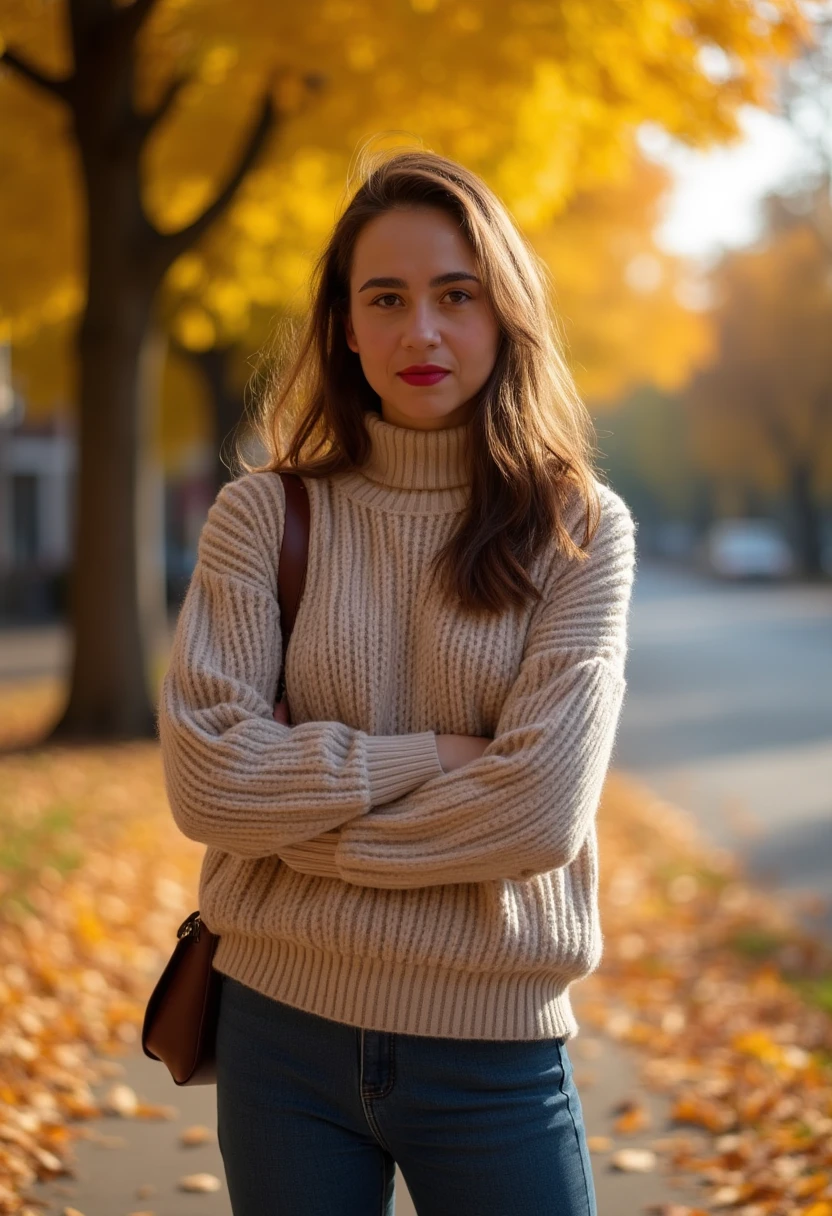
{"points": [[369, 1115], [391, 1069], [574, 1128], [366, 1096], [385, 1178]]}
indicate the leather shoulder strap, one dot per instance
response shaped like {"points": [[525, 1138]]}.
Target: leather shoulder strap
{"points": [[294, 550]]}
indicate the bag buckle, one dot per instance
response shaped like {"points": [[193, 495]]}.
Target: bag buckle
{"points": [[190, 927]]}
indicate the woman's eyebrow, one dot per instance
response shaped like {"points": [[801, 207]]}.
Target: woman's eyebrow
{"points": [[451, 276]]}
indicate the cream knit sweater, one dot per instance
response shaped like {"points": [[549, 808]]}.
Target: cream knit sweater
{"points": [[346, 873]]}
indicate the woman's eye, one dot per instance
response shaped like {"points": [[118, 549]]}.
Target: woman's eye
{"points": [[457, 291]]}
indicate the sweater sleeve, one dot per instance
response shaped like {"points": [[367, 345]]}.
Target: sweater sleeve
{"points": [[523, 807], [235, 778]]}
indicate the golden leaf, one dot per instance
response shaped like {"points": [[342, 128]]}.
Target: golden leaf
{"points": [[200, 1182]]}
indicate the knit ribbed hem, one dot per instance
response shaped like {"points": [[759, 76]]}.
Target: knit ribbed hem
{"points": [[398, 764], [399, 997]]}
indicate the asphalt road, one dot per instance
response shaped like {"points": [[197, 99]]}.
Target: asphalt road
{"points": [[728, 712]]}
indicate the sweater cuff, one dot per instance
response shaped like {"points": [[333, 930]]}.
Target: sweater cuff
{"points": [[316, 856], [397, 764]]}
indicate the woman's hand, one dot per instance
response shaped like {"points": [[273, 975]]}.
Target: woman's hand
{"points": [[456, 750]]}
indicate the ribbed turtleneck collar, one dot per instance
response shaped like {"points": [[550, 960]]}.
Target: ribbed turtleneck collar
{"points": [[407, 459]]}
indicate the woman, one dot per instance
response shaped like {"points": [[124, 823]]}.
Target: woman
{"points": [[404, 879]]}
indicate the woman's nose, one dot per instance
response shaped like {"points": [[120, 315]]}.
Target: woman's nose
{"points": [[421, 326]]}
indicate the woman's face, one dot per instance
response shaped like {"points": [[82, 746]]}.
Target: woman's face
{"points": [[416, 299]]}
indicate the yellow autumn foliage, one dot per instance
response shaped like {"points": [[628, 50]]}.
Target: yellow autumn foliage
{"points": [[540, 98]]}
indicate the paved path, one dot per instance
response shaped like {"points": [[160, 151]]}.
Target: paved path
{"points": [[108, 1178], [729, 713]]}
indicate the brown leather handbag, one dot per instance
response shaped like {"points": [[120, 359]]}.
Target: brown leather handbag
{"points": [[180, 1022]]}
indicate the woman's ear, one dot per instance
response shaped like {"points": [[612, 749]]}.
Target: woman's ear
{"points": [[351, 342]]}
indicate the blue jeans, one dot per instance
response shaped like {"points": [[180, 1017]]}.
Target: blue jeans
{"points": [[313, 1117]]}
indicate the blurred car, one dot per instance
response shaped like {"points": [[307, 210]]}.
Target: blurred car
{"points": [[748, 548]]}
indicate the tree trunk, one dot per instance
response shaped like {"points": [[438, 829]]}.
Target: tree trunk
{"points": [[703, 506], [150, 507], [226, 408], [109, 696], [127, 258], [806, 512]]}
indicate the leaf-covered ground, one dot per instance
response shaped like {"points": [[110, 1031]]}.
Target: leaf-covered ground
{"points": [[726, 1000]]}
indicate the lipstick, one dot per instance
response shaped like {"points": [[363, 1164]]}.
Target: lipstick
{"points": [[426, 374]]}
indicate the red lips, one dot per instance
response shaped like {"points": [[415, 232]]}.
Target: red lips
{"points": [[421, 369], [425, 376]]}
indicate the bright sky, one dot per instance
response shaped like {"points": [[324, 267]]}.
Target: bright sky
{"points": [[715, 199]]}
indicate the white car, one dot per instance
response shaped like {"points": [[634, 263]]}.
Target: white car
{"points": [[748, 548]]}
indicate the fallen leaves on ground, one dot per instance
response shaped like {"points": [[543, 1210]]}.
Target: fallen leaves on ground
{"points": [[706, 975], [94, 881], [703, 974], [193, 1136], [675, 1209], [632, 1116], [200, 1183], [633, 1160]]}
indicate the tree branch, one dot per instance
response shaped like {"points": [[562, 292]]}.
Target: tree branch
{"points": [[49, 84], [776, 431], [169, 96], [132, 18], [142, 124], [167, 247], [820, 419]]}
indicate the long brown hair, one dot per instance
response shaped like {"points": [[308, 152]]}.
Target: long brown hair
{"points": [[531, 434]]}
